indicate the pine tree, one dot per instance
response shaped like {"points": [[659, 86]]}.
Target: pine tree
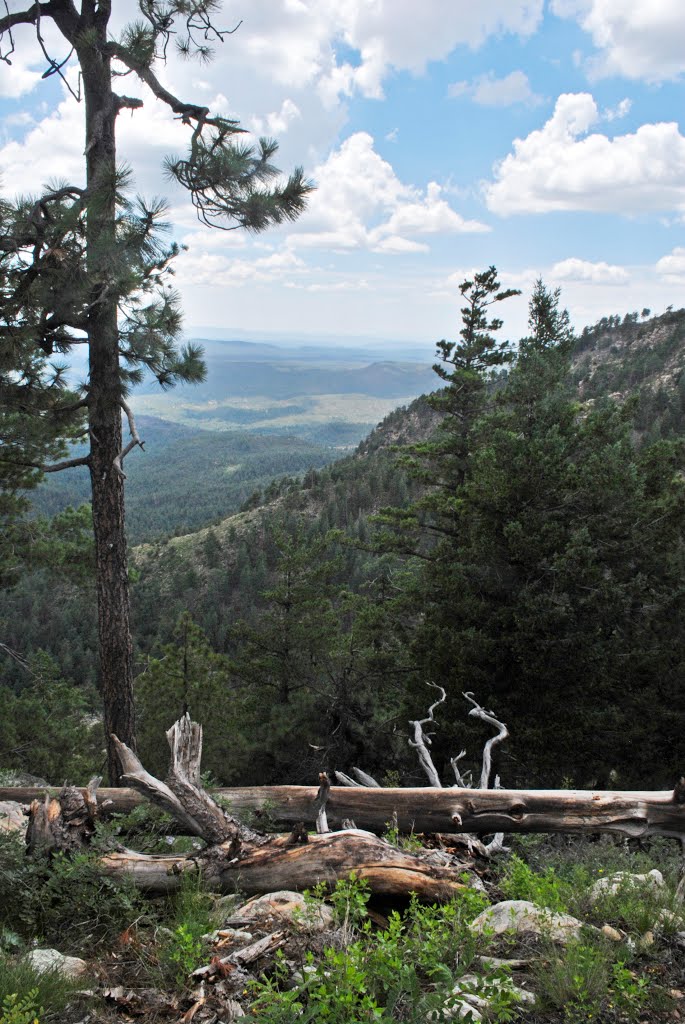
{"points": [[86, 263]]}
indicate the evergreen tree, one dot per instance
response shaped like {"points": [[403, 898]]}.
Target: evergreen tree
{"points": [[565, 570], [86, 262], [442, 463]]}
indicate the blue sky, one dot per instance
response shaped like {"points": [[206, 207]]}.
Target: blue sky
{"points": [[446, 135]]}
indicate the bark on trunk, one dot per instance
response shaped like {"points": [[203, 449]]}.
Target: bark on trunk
{"points": [[116, 660], [284, 862], [633, 813]]}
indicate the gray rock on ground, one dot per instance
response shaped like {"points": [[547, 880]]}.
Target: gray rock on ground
{"points": [[45, 960], [611, 884], [12, 818], [523, 916], [285, 908]]}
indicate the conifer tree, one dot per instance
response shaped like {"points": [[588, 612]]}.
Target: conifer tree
{"points": [[85, 263]]}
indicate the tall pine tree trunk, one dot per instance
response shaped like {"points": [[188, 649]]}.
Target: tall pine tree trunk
{"points": [[116, 661]]}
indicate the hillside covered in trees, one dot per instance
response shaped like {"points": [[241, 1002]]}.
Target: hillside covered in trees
{"points": [[524, 543]]}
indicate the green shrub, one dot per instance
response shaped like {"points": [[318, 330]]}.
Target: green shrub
{"points": [[190, 915], [544, 889], [634, 907], [404, 972], [575, 983], [24, 992], [66, 900], [20, 1011]]}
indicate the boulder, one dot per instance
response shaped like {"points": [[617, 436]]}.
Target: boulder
{"points": [[46, 960], [626, 880], [285, 908], [12, 817], [522, 916], [471, 998]]}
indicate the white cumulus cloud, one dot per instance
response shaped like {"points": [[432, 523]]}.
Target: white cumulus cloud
{"points": [[574, 269], [217, 269], [561, 166], [640, 39], [361, 203], [673, 265]]}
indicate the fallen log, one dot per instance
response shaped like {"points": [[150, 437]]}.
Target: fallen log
{"points": [[281, 862], [633, 813], [235, 857]]}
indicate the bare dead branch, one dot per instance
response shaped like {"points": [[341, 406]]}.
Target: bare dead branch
{"points": [[185, 742], [133, 443], [13, 18], [487, 716], [57, 467], [364, 779], [345, 780], [320, 803], [463, 781], [156, 791], [128, 102], [422, 741], [496, 844], [55, 67], [135, 437]]}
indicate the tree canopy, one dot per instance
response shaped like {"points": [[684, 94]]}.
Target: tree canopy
{"points": [[87, 263]]}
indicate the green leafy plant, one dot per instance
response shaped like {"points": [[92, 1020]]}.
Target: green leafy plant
{"points": [[630, 993], [349, 900], [411, 842], [576, 983], [544, 889], [182, 953], [68, 901], [25, 991], [24, 1010], [190, 916], [406, 971]]}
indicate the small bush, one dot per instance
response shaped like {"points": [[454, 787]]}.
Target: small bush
{"points": [[545, 889], [65, 901], [405, 972], [24, 992], [575, 983], [190, 916]]}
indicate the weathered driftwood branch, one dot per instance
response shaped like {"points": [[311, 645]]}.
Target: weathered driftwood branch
{"points": [[421, 741], [502, 733], [320, 804], [634, 813], [236, 857]]}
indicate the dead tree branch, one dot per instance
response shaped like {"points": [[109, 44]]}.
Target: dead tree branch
{"points": [[422, 741]]}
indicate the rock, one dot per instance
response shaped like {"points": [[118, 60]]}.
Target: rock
{"points": [[228, 935], [624, 879], [612, 933], [522, 916], [285, 908], [477, 1003], [12, 817], [666, 917], [46, 960], [495, 962]]}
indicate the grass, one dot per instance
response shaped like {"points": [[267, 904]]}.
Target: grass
{"points": [[26, 994]]}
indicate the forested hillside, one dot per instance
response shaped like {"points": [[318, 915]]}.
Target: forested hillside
{"points": [[533, 556], [187, 478]]}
